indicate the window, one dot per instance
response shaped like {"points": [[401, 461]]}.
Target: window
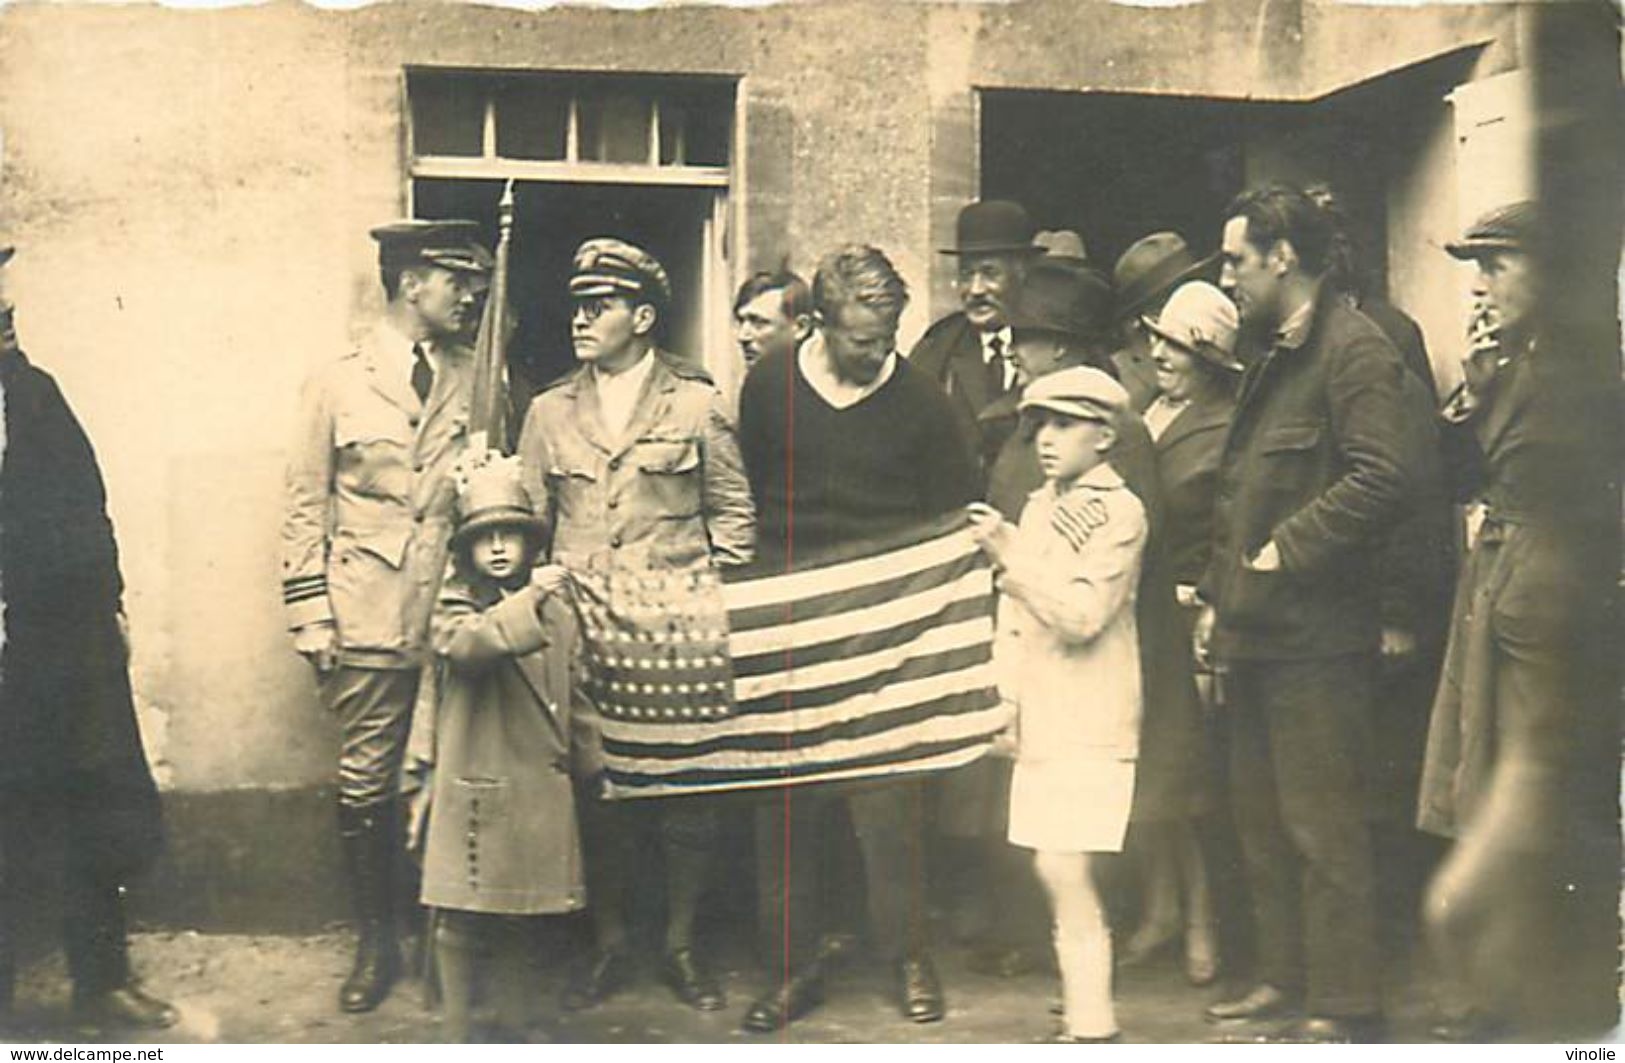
{"points": [[575, 127]]}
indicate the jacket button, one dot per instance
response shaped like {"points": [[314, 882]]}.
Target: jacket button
{"points": [[614, 463], [614, 502], [615, 540], [417, 466], [412, 421]]}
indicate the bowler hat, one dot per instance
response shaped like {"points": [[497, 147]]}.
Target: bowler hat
{"points": [[1506, 228], [448, 243], [994, 227], [1082, 391], [1150, 269], [491, 495], [1202, 320], [1064, 298], [607, 266]]}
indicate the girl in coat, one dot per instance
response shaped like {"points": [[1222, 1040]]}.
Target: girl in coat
{"points": [[1068, 657], [511, 729]]}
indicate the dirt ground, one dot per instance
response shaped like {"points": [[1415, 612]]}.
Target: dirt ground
{"points": [[239, 989]]}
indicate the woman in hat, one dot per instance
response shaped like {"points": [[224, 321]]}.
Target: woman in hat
{"points": [[510, 731], [1192, 344]]}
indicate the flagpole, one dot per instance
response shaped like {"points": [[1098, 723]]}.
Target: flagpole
{"points": [[488, 411]]}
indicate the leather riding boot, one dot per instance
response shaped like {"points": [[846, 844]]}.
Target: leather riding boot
{"points": [[368, 835]]}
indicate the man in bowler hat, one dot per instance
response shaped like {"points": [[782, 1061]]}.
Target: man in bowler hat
{"points": [[367, 520], [970, 352]]}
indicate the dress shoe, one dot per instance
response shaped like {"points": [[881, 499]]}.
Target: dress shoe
{"points": [[606, 975], [919, 993], [802, 992], [1328, 1030], [1264, 1001], [693, 986], [125, 1008]]}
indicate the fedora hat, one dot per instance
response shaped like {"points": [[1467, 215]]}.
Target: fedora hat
{"points": [[1201, 319], [994, 227], [1062, 244], [1065, 298], [1151, 268]]}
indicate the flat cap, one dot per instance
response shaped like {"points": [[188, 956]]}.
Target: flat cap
{"points": [[1507, 228], [450, 244], [1082, 392], [607, 266]]}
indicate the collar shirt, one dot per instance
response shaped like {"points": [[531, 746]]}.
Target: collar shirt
{"points": [[1294, 331], [400, 351], [618, 393], [841, 394], [999, 344]]}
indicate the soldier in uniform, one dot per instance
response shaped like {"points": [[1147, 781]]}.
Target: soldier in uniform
{"points": [[368, 518], [636, 456]]}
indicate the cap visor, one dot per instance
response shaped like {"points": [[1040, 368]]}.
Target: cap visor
{"points": [[1467, 250], [1076, 410]]}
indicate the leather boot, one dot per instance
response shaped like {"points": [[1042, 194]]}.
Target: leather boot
{"points": [[368, 835]]}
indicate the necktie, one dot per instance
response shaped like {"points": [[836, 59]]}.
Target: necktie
{"points": [[422, 373], [997, 383]]}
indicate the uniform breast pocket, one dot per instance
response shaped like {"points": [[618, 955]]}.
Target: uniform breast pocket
{"points": [[671, 472]]}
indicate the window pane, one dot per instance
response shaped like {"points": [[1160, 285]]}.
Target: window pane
{"points": [[673, 119], [614, 127], [531, 121], [448, 115], [707, 134]]}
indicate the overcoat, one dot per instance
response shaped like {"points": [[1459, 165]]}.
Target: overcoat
{"points": [[512, 728], [69, 743], [1319, 460], [950, 353], [370, 499]]}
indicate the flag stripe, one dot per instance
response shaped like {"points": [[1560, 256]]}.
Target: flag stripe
{"points": [[835, 602], [750, 672], [814, 582]]}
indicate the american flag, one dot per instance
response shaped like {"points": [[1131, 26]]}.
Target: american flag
{"points": [[877, 664]]}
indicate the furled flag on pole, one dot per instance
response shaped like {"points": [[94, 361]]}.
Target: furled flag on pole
{"points": [[488, 421], [874, 665]]}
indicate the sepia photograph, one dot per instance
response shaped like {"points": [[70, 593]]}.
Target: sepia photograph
{"points": [[813, 522]]}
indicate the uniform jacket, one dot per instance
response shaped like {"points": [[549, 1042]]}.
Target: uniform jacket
{"points": [[69, 744], [1320, 460], [512, 727], [1188, 453], [950, 353], [1067, 651], [670, 493], [369, 499]]}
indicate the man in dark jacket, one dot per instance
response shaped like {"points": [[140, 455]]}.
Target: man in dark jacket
{"points": [[969, 352], [1319, 467], [76, 796]]}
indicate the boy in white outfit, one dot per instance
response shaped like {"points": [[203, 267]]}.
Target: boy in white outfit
{"points": [[1068, 658]]}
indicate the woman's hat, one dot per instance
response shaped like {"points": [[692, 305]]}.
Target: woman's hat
{"points": [[491, 495], [1201, 319]]}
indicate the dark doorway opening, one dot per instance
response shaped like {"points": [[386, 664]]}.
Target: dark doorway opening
{"points": [[550, 221], [1114, 167]]}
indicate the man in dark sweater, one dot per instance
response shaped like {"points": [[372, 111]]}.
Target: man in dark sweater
{"points": [[845, 443]]}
